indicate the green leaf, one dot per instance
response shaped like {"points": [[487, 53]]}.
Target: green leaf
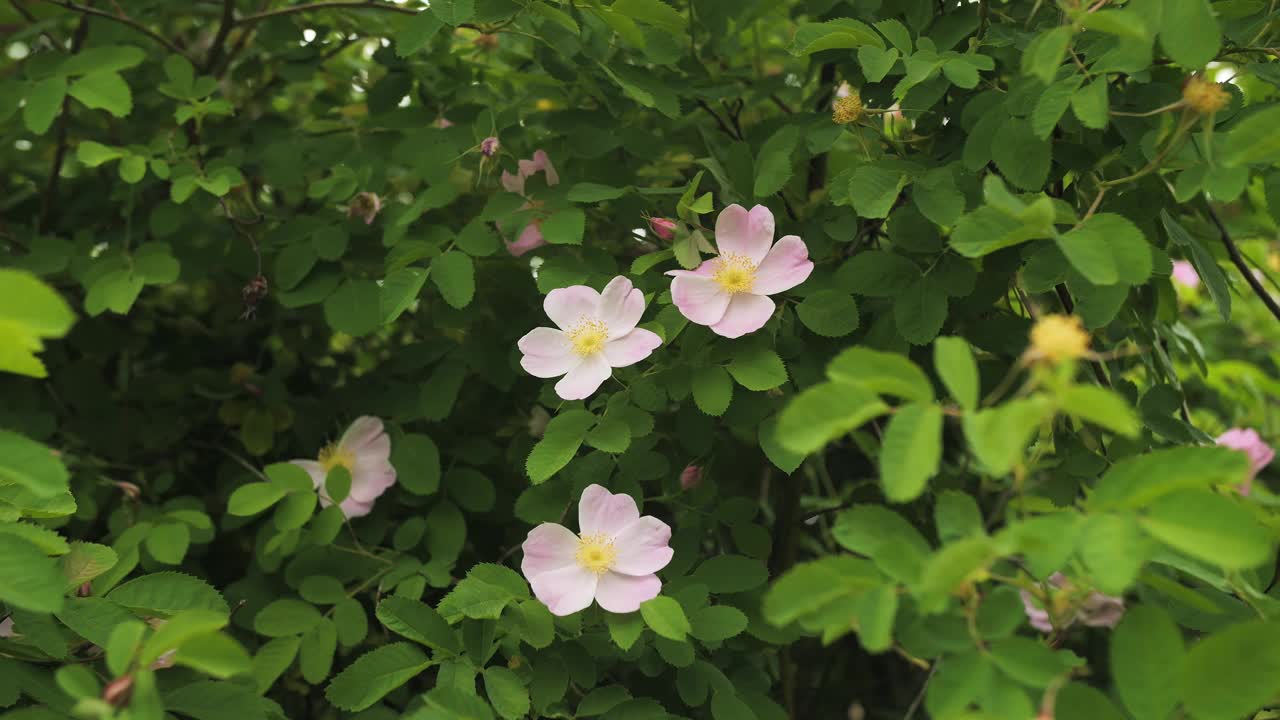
{"points": [[876, 62], [416, 33], [773, 164], [1137, 481], [103, 90], [1206, 266], [31, 466], [717, 623], [665, 617], [1253, 140], [731, 574], [612, 435], [874, 189], [987, 229], [1101, 407], [1146, 662], [355, 308], [1209, 527], [103, 58], [1045, 53], [505, 690], [417, 462], [937, 196], [115, 291], [1114, 549], [876, 612], [559, 17], [652, 12], [1189, 33], [86, 561], [920, 311], [43, 101], [565, 227], [712, 389], [877, 273], [603, 699], [179, 629], [285, 616], [133, 168], [455, 275], [625, 629], [1030, 662], [841, 33], [1090, 104], [167, 593], [782, 457], [94, 154], [881, 372], [890, 541], [315, 653], [560, 442], [824, 412], [1107, 249], [1022, 157], [1077, 701], [588, 192], [123, 643], [253, 498], [757, 368], [32, 580], [810, 586], [400, 288], [453, 12], [1233, 672], [374, 674], [953, 360], [829, 313], [911, 451], [999, 436], [168, 542], [1051, 105]]}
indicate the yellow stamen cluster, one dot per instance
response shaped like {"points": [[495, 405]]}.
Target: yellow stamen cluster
{"points": [[1205, 97], [1059, 337], [596, 553], [848, 108], [734, 273], [334, 456], [588, 337]]}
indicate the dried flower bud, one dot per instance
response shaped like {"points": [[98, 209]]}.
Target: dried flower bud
{"points": [[1059, 337], [130, 490], [1204, 96], [848, 108], [662, 227], [489, 146], [365, 206]]}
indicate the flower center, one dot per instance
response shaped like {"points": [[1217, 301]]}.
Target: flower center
{"points": [[335, 455], [596, 553], [735, 273], [1059, 337], [588, 337]]}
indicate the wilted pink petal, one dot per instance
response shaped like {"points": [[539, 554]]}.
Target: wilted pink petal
{"points": [[690, 477], [1184, 273], [1250, 443], [489, 146], [365, 451], [1100, 610], [366, 206], [6, 628], [662, 227], [530, 239], [612, 561], [1036, 615], [443, 122]]}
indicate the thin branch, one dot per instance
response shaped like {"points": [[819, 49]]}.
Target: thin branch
{"points": [[122, 19], [1240, 264], [22, 10], [219, 40], [719, 121], [336, 5]]}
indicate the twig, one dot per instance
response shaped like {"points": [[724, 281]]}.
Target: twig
{"points": [[122, 19], [915, 704], [1069, 305], [1240, 264], [22, 10], [719, 121], [781, 105], [219, 40], [49, 199], [336, 5]]}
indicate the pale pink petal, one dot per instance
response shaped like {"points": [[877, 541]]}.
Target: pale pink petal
{"points": [[700, 299], [548, 547], [371, 477], [547, 353], [543, 163], [624, 593], [1248, 441], [600, 511], [584, 378], [530, 239], [1037, 616], [745, 233], [351, 507], [1100, 610], [745, 314], [1184, 273], [786, 266], [643, 547], [314, 469], [6, 628], [631, 348], [566, 590], [362, 431], [566, 306], [513, 183], [621, 305]]}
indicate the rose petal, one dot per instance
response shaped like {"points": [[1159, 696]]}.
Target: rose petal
{"points": [[542, 162], [786, 266], [566, 590], [362, 431], [621, 305], [584, 378], [548, 547], [643, 547], [513, 183], [745, 233], [351, 507], [631, 348], [530, 239], [566, 306], [314, 469], [699, 299], [624, 593], [547, 353], [600, 511], [745, 314]]}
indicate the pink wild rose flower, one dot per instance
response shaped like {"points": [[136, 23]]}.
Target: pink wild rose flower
{"points": [[531, 237], [1184, 273], [596, 333], [730, 292], [612, 560], [1097, 610], [365, 451], [1248, 441]]}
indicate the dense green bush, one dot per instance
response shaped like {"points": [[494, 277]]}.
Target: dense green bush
{"points": [[946, 449]]}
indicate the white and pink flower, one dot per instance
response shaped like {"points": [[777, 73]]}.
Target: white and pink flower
{"points": [[489, 146], [612, 560], [365, 451], [1184, 273], [595, 332], [531, 237], [1247, 441], [730, 292]]}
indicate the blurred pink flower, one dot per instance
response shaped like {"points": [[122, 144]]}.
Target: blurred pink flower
{"points": [[365, 451], [1097, 610], [1184, 273], [442, 122], [366, 206], [6, 628], [730, 292], [613, 559], [597, 332], [489, 146], [531, 237], [690, 477], [662, 227], [1250, 443]]}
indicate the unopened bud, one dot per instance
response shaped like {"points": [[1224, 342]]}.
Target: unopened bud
{"points": [[662, 227], [690, 477], [489, 146], [365, 206], [117, 691]]}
